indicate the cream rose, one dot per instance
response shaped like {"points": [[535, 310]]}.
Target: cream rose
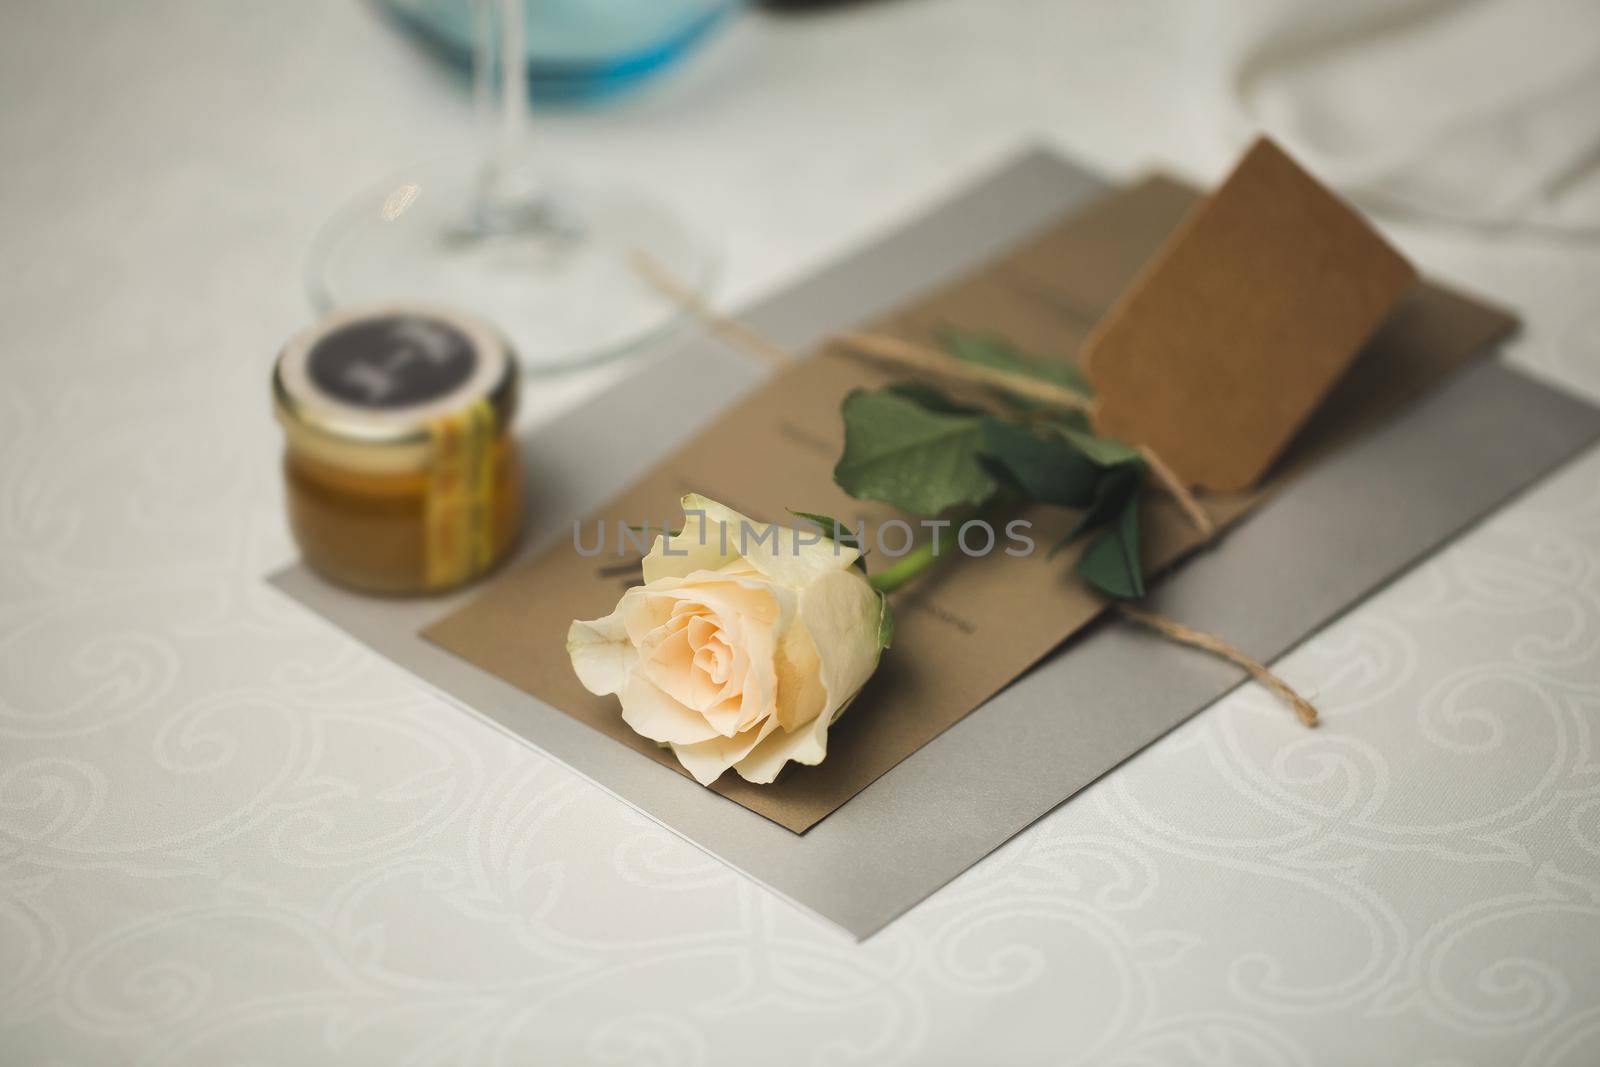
{"points": [[736, 659]]}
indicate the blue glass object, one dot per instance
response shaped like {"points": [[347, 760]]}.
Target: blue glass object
{"points": [[578, 49]]}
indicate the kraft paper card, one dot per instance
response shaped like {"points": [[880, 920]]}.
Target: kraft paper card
{"points": [[963, 632], [1223, 346], [1340, 528]]}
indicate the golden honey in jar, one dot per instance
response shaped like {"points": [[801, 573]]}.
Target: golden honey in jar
{"points": [[401, 472]]}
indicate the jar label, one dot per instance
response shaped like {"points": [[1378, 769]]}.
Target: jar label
{"points": [[458, 536]]}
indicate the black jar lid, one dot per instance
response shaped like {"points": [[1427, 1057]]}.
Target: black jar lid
{"points": [[365, 387]]}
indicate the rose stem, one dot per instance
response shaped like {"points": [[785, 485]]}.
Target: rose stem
{"points": [[915, 562]]}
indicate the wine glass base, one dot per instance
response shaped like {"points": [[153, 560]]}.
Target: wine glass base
{"points": [[558, 275]]}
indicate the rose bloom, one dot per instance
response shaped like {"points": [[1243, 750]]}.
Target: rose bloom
{"points": [[735, 660]]}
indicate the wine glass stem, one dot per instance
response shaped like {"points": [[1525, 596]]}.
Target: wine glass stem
{"points": [[513, 77], [510, 185]]}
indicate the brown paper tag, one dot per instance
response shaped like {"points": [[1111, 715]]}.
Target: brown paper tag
{"points": [[1225, 344], [964, 631]]}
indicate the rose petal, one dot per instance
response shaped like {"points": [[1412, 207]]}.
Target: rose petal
{"points": [[793, 558], [752, 614], [727, 716], [652, 713], [602, 655], [840, 612], [801, 694], [696, 547], [728, 595], [645, 609], [708, 759], [667, 660], [735, 661], [808, 745]]}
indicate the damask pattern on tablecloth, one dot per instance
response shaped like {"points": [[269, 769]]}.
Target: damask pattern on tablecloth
{"points": [[228, 834], [225, 828]]}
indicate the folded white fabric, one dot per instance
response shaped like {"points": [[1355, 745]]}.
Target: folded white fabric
{"points": [[1480, 111]]}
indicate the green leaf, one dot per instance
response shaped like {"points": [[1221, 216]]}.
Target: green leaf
{"points": [[992, 351], [885, 622], [898, 452], [832, 528], [932, 397], [1111, 562], [1101, 451], [837, 532], [1047, 469], [1111, 492]]}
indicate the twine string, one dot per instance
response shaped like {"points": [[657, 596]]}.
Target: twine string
{"points": [[883, 348], [1169, 480], [908, 354], [730, 329], [893, 350], [1177, 631]]}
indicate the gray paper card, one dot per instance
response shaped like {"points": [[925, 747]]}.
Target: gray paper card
{"points": [[1337, 532]]}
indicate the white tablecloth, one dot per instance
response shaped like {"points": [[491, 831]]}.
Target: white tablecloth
{"points": [[228, 834]]}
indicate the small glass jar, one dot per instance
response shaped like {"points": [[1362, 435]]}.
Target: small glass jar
{"points": [[401, 472]]}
